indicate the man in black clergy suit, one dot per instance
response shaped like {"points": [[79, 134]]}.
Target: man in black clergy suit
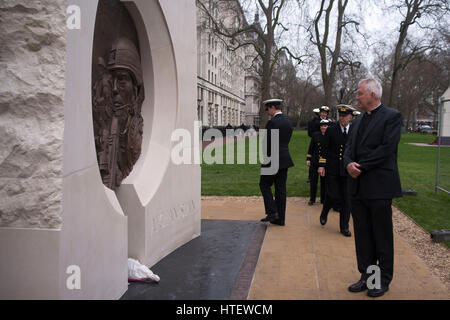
{"points": [[276, 208], [331, 166], [371, 160]]}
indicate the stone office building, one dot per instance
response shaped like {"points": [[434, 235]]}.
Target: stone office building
{"points": [[228, 84], [220, 74]]}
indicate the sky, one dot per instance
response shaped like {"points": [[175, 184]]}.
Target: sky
{"points": [[378, 25]]}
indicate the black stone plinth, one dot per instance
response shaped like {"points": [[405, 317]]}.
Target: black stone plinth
{"points": [[214, 266]]}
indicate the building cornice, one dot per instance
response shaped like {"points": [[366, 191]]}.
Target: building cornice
{"points": [[209, 85]]}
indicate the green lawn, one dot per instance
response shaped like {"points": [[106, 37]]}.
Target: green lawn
{"points": [[417, 167]]}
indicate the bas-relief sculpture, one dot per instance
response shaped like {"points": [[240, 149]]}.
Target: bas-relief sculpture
{"points": [[117, 97]]}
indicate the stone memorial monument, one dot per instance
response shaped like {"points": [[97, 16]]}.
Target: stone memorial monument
{"points": [[91, 93]]}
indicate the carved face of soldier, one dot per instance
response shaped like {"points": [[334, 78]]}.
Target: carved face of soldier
{"points": [[123, 87]]}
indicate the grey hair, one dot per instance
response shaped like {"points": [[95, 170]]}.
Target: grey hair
{"points": [[372, 85]]}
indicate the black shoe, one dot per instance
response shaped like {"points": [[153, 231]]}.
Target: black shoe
{"points": [[359, 286], [278, 222], [375, 293], [310, 203], [346, 233], [323, 219], [270, 217]]}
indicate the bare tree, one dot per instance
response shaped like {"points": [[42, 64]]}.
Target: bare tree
{"points": [[406, 51], [331, 56], [264, 44], [347, 80], [420, 83]]}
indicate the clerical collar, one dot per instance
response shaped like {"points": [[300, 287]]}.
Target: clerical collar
{"points": [[374, 110]]}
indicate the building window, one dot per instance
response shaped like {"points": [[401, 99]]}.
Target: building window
{"points": [[256, 121]]}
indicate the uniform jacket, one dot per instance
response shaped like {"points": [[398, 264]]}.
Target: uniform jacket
{"points": [[315, 149], [333, 150], [285, 128], [376, 152], [314, 125]]}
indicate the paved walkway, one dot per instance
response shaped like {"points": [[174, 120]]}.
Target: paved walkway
{"points": [[426, 145], [304, 260]]}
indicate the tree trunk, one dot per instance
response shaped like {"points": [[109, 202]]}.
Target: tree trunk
{"points": [[412, 12], [265, 92]]}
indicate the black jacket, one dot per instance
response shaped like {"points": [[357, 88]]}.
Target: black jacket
{"points": [[315, 149], [285, 128], [376, 152], [333, 150], [314, 125]]}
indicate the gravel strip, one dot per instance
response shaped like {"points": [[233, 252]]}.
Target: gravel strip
{"points": [[435, 255]]}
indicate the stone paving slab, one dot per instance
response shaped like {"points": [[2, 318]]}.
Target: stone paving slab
{"points": [[303, 260]]}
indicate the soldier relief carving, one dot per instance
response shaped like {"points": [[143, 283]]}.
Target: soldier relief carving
{"points": [[117, 92], [117, 97]]}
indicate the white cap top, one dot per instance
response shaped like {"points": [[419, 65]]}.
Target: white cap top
{"points": [[273, 101]]}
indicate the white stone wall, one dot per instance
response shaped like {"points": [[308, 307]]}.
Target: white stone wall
{"points": [[446, 114], [32, 70]]}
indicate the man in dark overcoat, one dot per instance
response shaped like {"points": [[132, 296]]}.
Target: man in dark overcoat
{"points": [[371, 161]]}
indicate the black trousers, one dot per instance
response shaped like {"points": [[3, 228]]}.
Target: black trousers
{"points": [[337, 196], [374, 239], [277, 205], [313, 182]]}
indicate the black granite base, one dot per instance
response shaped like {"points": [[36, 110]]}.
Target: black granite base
{"points": [[207, 267]]}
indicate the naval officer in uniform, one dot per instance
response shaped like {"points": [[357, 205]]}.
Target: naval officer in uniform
{"points": [[276, 208], [312, 161], [332, 168]]}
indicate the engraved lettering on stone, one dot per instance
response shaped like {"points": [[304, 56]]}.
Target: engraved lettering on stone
{"points": [[167, 217]]}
